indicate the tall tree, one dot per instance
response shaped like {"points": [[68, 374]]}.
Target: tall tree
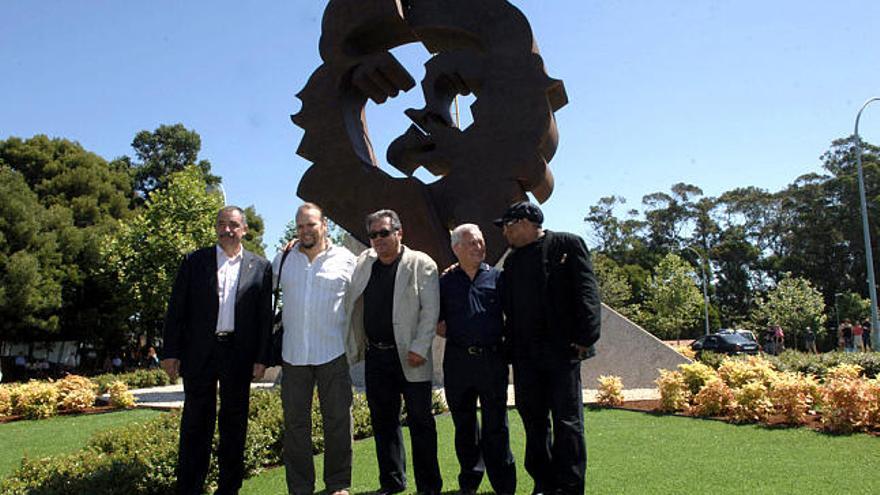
{"points": [[794, 304], [146, 251], [673, 299], [166, 150]]}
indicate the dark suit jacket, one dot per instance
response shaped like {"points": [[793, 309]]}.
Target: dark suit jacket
{"points": [[191, 321], [569, 289]]}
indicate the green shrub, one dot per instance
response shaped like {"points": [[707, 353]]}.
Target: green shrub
{"points": [[36, 400], [120, 397], [134, 379], [711, 359], [75, 393], [5, 401], [819, 364], [696, 375]]}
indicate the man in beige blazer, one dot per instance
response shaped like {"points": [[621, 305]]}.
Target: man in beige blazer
{"points": [[393, 304]]}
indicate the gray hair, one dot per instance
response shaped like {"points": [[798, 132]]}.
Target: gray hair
{"points": [[379, 215], [230, 208], [458, 232]]}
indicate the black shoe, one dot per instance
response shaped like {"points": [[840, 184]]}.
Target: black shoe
{"points": [[389, 491]]}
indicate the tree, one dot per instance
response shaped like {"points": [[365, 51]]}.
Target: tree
{"points": [[673, 300], [253, 240], [80, 197], [146, 251], [167, 150], [614, 287], [794, 305]]}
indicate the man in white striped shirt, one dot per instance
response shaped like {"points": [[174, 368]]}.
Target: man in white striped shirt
{"points": [[314, 278]]}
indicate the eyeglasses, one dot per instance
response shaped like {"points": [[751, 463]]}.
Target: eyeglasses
{"points": [[380, 233]]}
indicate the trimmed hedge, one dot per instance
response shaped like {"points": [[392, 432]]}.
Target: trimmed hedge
{"points": [[819, 364], [134, 379], [140, 458]]}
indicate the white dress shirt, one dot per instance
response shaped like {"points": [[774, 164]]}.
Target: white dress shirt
{"points": [[313, 312], [227, 285]]}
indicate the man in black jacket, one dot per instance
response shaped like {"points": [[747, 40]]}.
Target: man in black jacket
{"points": [[551, 300], [217, 329]]}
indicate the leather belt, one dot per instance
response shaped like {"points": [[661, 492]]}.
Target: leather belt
{"points": [[224, 337], [381, 346]]}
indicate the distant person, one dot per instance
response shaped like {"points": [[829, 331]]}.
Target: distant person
{"points": [[474, 366], [866, 336], [778, 339], [151, 361], [21, 362], [217, 329], [810, 340], [857, 332], [846, 336]]}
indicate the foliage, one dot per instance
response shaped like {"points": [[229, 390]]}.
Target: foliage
{"points": [[162, 153], [673, 300], [819, 364], [872, 400], [738, 372], [5, 401], [134, 379], [75, 393], [61, 200], [183, 215], [610, 391], [120, 397], [695, 375], [674, 393], [794, 305], [686, 351], [711, 359], [713, 399], [844, 403], [614, 286], [36, 400], [844, 372], [751, 403], [793, 396]]}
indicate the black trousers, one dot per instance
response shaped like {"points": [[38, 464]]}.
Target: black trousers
{"points": [[483, 376], [197, 423], [385, 384], [548, 385]]}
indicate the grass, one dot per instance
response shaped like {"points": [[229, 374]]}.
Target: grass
{"points": [[58, 435], [638, 453]]}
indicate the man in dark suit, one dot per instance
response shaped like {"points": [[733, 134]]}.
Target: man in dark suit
{"points": [[217, 329], [551, 300]]}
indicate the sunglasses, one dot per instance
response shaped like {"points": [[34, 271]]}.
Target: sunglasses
{"points": [[380, 233], [513, 221]]}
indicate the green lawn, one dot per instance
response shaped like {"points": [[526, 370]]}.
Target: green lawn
{"points": [[57, 435], [638, 453]]}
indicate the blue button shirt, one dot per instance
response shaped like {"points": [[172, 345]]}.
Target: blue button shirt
{"points": [[472, 308]]}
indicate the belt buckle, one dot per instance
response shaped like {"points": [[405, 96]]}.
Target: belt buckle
{"points": [[475, 350], [223, 336]]}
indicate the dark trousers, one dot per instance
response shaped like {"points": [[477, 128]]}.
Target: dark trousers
{"points": [[483, 376], [548, 385], [334, 395], [197, 423], [385, 384]]}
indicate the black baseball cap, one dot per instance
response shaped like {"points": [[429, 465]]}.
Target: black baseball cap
{"points": [[519, 211]]}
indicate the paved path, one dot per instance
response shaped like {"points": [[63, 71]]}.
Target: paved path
{"points": [[171, 396]]}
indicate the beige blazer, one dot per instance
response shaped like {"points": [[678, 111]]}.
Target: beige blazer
{"points": [[414, 315]]}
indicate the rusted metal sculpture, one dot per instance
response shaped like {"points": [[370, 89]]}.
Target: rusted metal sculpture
{"points": [[484, 47]]}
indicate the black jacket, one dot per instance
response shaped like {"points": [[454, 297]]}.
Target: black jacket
{"points": [[191, 321], [570, 293]]}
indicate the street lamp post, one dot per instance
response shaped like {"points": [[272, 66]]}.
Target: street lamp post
{"points": [[705, 293], [869, 258]]}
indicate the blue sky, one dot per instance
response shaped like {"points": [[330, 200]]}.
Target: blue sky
{"points": [[720, 94]]}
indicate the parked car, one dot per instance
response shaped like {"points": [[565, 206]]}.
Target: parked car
{"points": [[731, 343], [745, 333]]}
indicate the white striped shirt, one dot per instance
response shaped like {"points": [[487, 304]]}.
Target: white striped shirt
{"points": [[313, 311], [227, 286]]}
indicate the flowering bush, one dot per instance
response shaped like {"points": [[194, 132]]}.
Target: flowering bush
{"points": [[610, 391], [872, 397], [696, 375], [674, 393], [75, 393], [739, 372], [5, 401], [685, 350], [793, 395], [844, 403], [120, 397], [844, 372], [751, 403], [36, 400], [714, 399]]}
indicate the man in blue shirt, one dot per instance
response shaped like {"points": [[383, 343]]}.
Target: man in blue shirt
{"points": [[474, 365]]}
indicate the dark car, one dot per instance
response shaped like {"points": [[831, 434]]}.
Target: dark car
{"points": [[725, 343]]}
